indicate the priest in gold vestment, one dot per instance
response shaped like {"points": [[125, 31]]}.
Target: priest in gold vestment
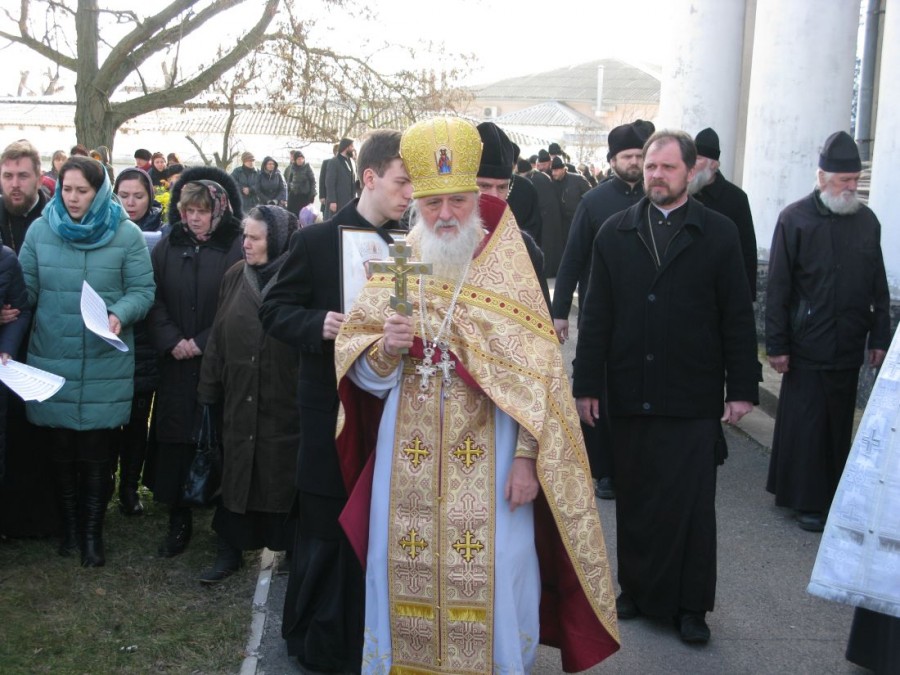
{"points": [[475, 515]]}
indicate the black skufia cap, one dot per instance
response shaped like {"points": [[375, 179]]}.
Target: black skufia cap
{"points": [[840, 154], [707, 142], [497, 154]]}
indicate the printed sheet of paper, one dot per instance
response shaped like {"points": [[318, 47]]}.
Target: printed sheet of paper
{"points": [[859, 555], [96, 318], [30, 383]]}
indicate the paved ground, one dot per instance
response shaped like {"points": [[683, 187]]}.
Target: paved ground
{"points": [[764, 622]]}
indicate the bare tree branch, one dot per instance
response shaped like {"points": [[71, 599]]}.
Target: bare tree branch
{"points": [[153, 35], [187, 90], [47, 52]]}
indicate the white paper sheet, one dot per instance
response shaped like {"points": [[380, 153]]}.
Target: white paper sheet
{"points": [[30, 383], [96, 318]]}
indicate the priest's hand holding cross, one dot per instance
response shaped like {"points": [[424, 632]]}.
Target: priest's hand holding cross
{"points": [[399, 328]]}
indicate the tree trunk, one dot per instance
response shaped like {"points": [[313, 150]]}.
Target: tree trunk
{"points": [[94, 124]]}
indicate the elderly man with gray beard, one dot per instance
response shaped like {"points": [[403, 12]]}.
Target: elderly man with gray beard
{"points": [[714, 191], [827, 294]]}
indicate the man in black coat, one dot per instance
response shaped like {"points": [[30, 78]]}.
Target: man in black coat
{"points": [[668, 318], [27, 473], [569, 188], [626, 158], [323, 171], [711, 189], [341, 177], [827, 293], [495, 178], [323, 611]]}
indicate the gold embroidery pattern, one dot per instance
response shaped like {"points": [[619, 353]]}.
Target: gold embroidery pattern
{"points": [[468, 453], [412, 544], [465, 548], [441, 600], [416, 452]]}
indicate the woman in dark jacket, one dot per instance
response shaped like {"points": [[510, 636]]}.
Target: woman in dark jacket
{"points": [[188, 266], [272, 188], [134, 189], [254, 377], [301, 183]]}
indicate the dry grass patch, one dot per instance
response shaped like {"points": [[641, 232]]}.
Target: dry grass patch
{"points": [[138, 614]]}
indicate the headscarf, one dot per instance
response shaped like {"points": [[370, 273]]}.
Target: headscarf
{"points": [[97, 227], [280, 225], [220, 207]]}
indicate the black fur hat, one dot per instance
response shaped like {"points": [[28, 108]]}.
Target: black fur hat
{"points": [[206, 173]]}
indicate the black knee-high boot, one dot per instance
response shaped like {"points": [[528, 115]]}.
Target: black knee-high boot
{"points": [[67, 491], [95, 479]]}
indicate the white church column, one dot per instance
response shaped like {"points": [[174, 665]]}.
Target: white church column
{"points": [[801, 87], [701, 79], [886, 154]]}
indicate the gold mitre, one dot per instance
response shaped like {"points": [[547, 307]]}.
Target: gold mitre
{"points": [[442, 156]]}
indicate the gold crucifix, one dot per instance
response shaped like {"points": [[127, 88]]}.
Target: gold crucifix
{"points": [[401, 267]]}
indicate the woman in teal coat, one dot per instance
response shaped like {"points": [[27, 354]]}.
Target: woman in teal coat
{"points": [[84, 235]]}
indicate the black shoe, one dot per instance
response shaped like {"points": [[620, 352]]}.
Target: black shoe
{"points": [[625, 607], [180, 529], [129, 502], [228, 561], [692, 627], [811, 521], [604, 488]]}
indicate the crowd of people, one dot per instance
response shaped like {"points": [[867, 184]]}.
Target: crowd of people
{"points": [[417, 449]]}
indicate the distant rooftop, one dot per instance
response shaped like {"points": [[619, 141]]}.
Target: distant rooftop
{"points": [[548, 114], [622, 83]]}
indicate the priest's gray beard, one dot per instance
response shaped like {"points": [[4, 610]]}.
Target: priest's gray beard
{"points": [[843, 204], [701, 179], [448, 255]]}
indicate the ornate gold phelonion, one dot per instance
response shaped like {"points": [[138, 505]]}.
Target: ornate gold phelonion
{"points": [[442, 156]]}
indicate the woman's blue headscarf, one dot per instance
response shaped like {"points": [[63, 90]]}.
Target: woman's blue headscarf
{"points": [[97, 226]]}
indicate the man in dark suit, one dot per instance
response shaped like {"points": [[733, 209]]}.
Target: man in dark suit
{"points": [[323, 612]]}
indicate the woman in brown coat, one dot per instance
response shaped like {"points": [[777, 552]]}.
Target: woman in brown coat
{"points": [[254, 377]]}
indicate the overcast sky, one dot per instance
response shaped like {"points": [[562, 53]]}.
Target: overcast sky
{"points": [[507, 38], [511, 38]]}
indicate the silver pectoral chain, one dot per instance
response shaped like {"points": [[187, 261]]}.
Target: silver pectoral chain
{"points": [[428, 368]]}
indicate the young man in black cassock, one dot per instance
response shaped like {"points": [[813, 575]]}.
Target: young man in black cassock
{"points": [[668, 317], [323, 611]]}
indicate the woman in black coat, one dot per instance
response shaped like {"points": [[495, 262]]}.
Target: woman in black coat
{"points": [[254, 377], [134, 188], [188, 266]]}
